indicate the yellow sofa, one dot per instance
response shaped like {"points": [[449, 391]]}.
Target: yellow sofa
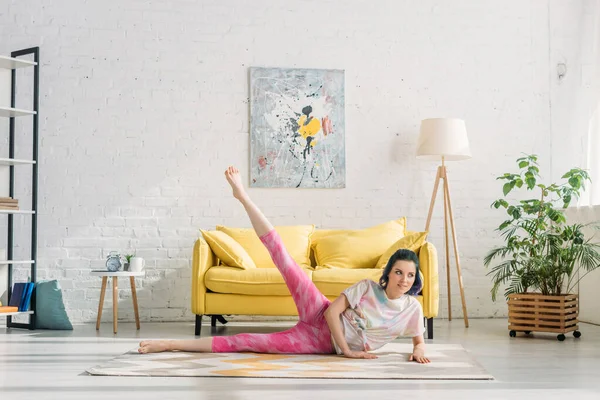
{"points": [[219, 289]]}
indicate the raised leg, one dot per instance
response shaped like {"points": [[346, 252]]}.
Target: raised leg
{"points": [[135, 303], [198, 326], [309, 301], [115, 302], [260, 223], [101, 304]]}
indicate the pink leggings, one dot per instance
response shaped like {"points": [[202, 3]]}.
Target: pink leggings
{"points": [[311, 334]]}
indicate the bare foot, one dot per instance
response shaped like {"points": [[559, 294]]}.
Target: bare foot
{"points": [[153, 346], [235, 180]]}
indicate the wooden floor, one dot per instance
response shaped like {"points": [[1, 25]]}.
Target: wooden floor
{"points": [[44, 364]]}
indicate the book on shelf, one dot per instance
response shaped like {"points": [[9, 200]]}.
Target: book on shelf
{"points": [[17, 294], [26, 300], [7, 309], [21, 295]]}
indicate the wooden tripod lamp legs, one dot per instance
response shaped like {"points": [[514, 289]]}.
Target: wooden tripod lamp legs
{"points": [[448, 216]]}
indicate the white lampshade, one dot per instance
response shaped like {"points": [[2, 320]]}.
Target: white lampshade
{"points": [[445, 137]]}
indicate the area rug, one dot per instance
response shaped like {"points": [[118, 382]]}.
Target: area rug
{"points": [[448, 361]]}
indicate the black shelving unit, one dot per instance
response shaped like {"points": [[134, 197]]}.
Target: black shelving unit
{"points": [[13, 63]]}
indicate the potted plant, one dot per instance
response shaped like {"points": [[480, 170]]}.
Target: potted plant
{"points": [[543, 257], [128, 258]]}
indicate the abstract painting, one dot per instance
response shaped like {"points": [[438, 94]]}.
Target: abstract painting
{"points": [[297, 128]]}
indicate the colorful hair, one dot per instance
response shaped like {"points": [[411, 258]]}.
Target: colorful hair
{"points": [[403, 255]]}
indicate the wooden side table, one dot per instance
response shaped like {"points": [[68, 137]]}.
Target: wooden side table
{"points": [[115, 278]]}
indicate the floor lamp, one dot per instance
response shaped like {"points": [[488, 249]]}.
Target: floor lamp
{"points": [[445, 139]]}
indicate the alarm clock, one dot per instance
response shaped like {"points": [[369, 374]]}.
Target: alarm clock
{"points": [[113, 262]]}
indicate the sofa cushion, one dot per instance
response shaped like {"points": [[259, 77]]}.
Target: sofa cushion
{"points": [[333, 281], [295, 238], [411, 242], [228, 250], [358, 248], [258, 281]]}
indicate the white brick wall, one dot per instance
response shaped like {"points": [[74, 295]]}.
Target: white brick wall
{"points": [[144, 104], [589, 283]]}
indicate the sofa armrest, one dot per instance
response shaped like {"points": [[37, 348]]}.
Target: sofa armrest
{"points": [[202, 259], [428, 261]]}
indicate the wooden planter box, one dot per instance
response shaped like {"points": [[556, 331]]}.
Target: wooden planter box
{"points": [[534, 312]]}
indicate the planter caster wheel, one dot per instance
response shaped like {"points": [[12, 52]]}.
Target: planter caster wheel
{"points": [[528, 332], [512, 334], [561, 337], [577, 334]]}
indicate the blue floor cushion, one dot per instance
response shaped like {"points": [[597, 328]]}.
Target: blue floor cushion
{"points": [[50, 310]]}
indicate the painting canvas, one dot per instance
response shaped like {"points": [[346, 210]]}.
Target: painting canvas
{"points": [[297, 128]]}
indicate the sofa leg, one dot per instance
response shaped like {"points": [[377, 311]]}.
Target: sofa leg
{"points": [[429, 328], [198, 324], [215, 318]]}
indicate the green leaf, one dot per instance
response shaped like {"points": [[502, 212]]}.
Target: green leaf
{"points": [[585, 175], [530, 182], [507, 187], [516, 214], [519, 182], [504, 225], [575, 182], [523, 164]]}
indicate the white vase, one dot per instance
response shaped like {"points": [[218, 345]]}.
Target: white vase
{"points": [[137, 264]]}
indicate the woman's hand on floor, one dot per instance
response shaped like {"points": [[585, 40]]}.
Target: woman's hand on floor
{"points": [[359, 354], [419, 356]]}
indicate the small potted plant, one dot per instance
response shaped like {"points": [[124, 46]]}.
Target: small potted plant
{"points": [[128, 258], [543, 257]]}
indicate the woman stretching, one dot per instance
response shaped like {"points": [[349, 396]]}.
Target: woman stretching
{"points": [[365, 317]]}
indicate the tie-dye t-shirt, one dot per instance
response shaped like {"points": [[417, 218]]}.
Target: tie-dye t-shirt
{"points": [[373, 320]]}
